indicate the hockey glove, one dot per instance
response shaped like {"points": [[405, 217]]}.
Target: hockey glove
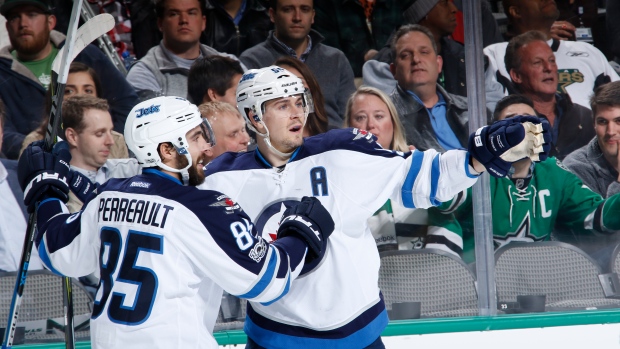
{"points": [[42, 175], [309, 221], [80, 185], [498, 145]]}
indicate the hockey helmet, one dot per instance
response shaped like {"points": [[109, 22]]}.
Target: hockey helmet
{"points": [[160, 120], [258, 86]]}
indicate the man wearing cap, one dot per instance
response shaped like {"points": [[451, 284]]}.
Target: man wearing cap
{"points": [[25, 67]]}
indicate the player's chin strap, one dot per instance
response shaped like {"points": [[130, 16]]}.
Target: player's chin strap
{"points": [[268, 141], [184, 173]]}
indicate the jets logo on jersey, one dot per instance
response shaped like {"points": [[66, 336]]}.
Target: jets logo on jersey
{"points": [[567, 77], [229, 205], [268, 221], [362, 134]]}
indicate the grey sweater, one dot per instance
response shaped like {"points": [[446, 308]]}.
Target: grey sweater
{"points": [[589, 164]]}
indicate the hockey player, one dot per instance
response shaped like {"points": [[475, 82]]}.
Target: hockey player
{"points": [[163, 250], [534, 200], [336, 303]]}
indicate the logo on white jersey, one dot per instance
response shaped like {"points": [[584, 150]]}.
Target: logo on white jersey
{"points": [[229, 205], [258, 251], [362, 134]]}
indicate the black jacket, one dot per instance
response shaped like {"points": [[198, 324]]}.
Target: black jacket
{"points": [[223, 35]]}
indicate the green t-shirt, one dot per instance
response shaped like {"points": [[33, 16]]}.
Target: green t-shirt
{"points": [[42, 69]]}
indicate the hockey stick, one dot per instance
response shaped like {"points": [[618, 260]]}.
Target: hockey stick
{"points": [[89, 31]]}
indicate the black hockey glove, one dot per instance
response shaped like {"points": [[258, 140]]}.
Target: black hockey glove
{"points": [[309, 221], [506, 141], [80, 185], [42, 175]]}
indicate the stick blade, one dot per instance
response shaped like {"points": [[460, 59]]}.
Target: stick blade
{"points": [[87, 33]]}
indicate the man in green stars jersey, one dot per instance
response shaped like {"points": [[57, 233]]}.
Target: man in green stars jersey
{"points": [[528, 204]]}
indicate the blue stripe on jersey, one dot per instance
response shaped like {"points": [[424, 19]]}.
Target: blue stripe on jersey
{"points": [[358, 324], [50, 212], [286, 288], [265, 280], [321, 340], [407, 189], [469, 174], [45, 258], [162, 174], [435, 173]]}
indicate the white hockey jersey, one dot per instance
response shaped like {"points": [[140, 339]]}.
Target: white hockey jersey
{"points": [[581, 67], [337, 303], [164, 252]]}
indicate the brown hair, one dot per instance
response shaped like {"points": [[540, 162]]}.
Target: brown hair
{"points": [[606, 95], [73, 109], [317, 121]]}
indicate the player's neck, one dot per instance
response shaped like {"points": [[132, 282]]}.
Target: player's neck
{"points": [[274, 159]]}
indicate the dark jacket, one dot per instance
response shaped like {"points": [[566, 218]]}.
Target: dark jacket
{"points": [[576, 127], [24, 97], [589, 164], [223, 35], [329, 65], [417, 124]]}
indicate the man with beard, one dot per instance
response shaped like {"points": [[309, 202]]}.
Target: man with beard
{"points": [[337, 302], [25, 67], [163, 248]]}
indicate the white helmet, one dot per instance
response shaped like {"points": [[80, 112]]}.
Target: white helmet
{"points": [[160, 120], [260, 85]]}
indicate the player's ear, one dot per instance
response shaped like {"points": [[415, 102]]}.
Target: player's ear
{"points": [[71, 136], [167, 153]]}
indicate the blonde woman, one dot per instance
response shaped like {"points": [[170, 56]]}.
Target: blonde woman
{"points": [[370, 109]]}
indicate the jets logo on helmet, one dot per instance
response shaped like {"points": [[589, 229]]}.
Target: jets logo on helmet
{"points": [[170, 118], [146, 111]]}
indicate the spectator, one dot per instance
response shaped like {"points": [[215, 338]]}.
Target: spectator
{"points": [[214, 78], [372, 110], [164, 69], [228, 127], [235, 25], [12, 214], [317, 118], [87, 128], [25, 67], [432, 118], [439, 16], [528, 205], [534, 72], [359, 28], [82, 79], [597, 163], [582, 66], [292, 36]]}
